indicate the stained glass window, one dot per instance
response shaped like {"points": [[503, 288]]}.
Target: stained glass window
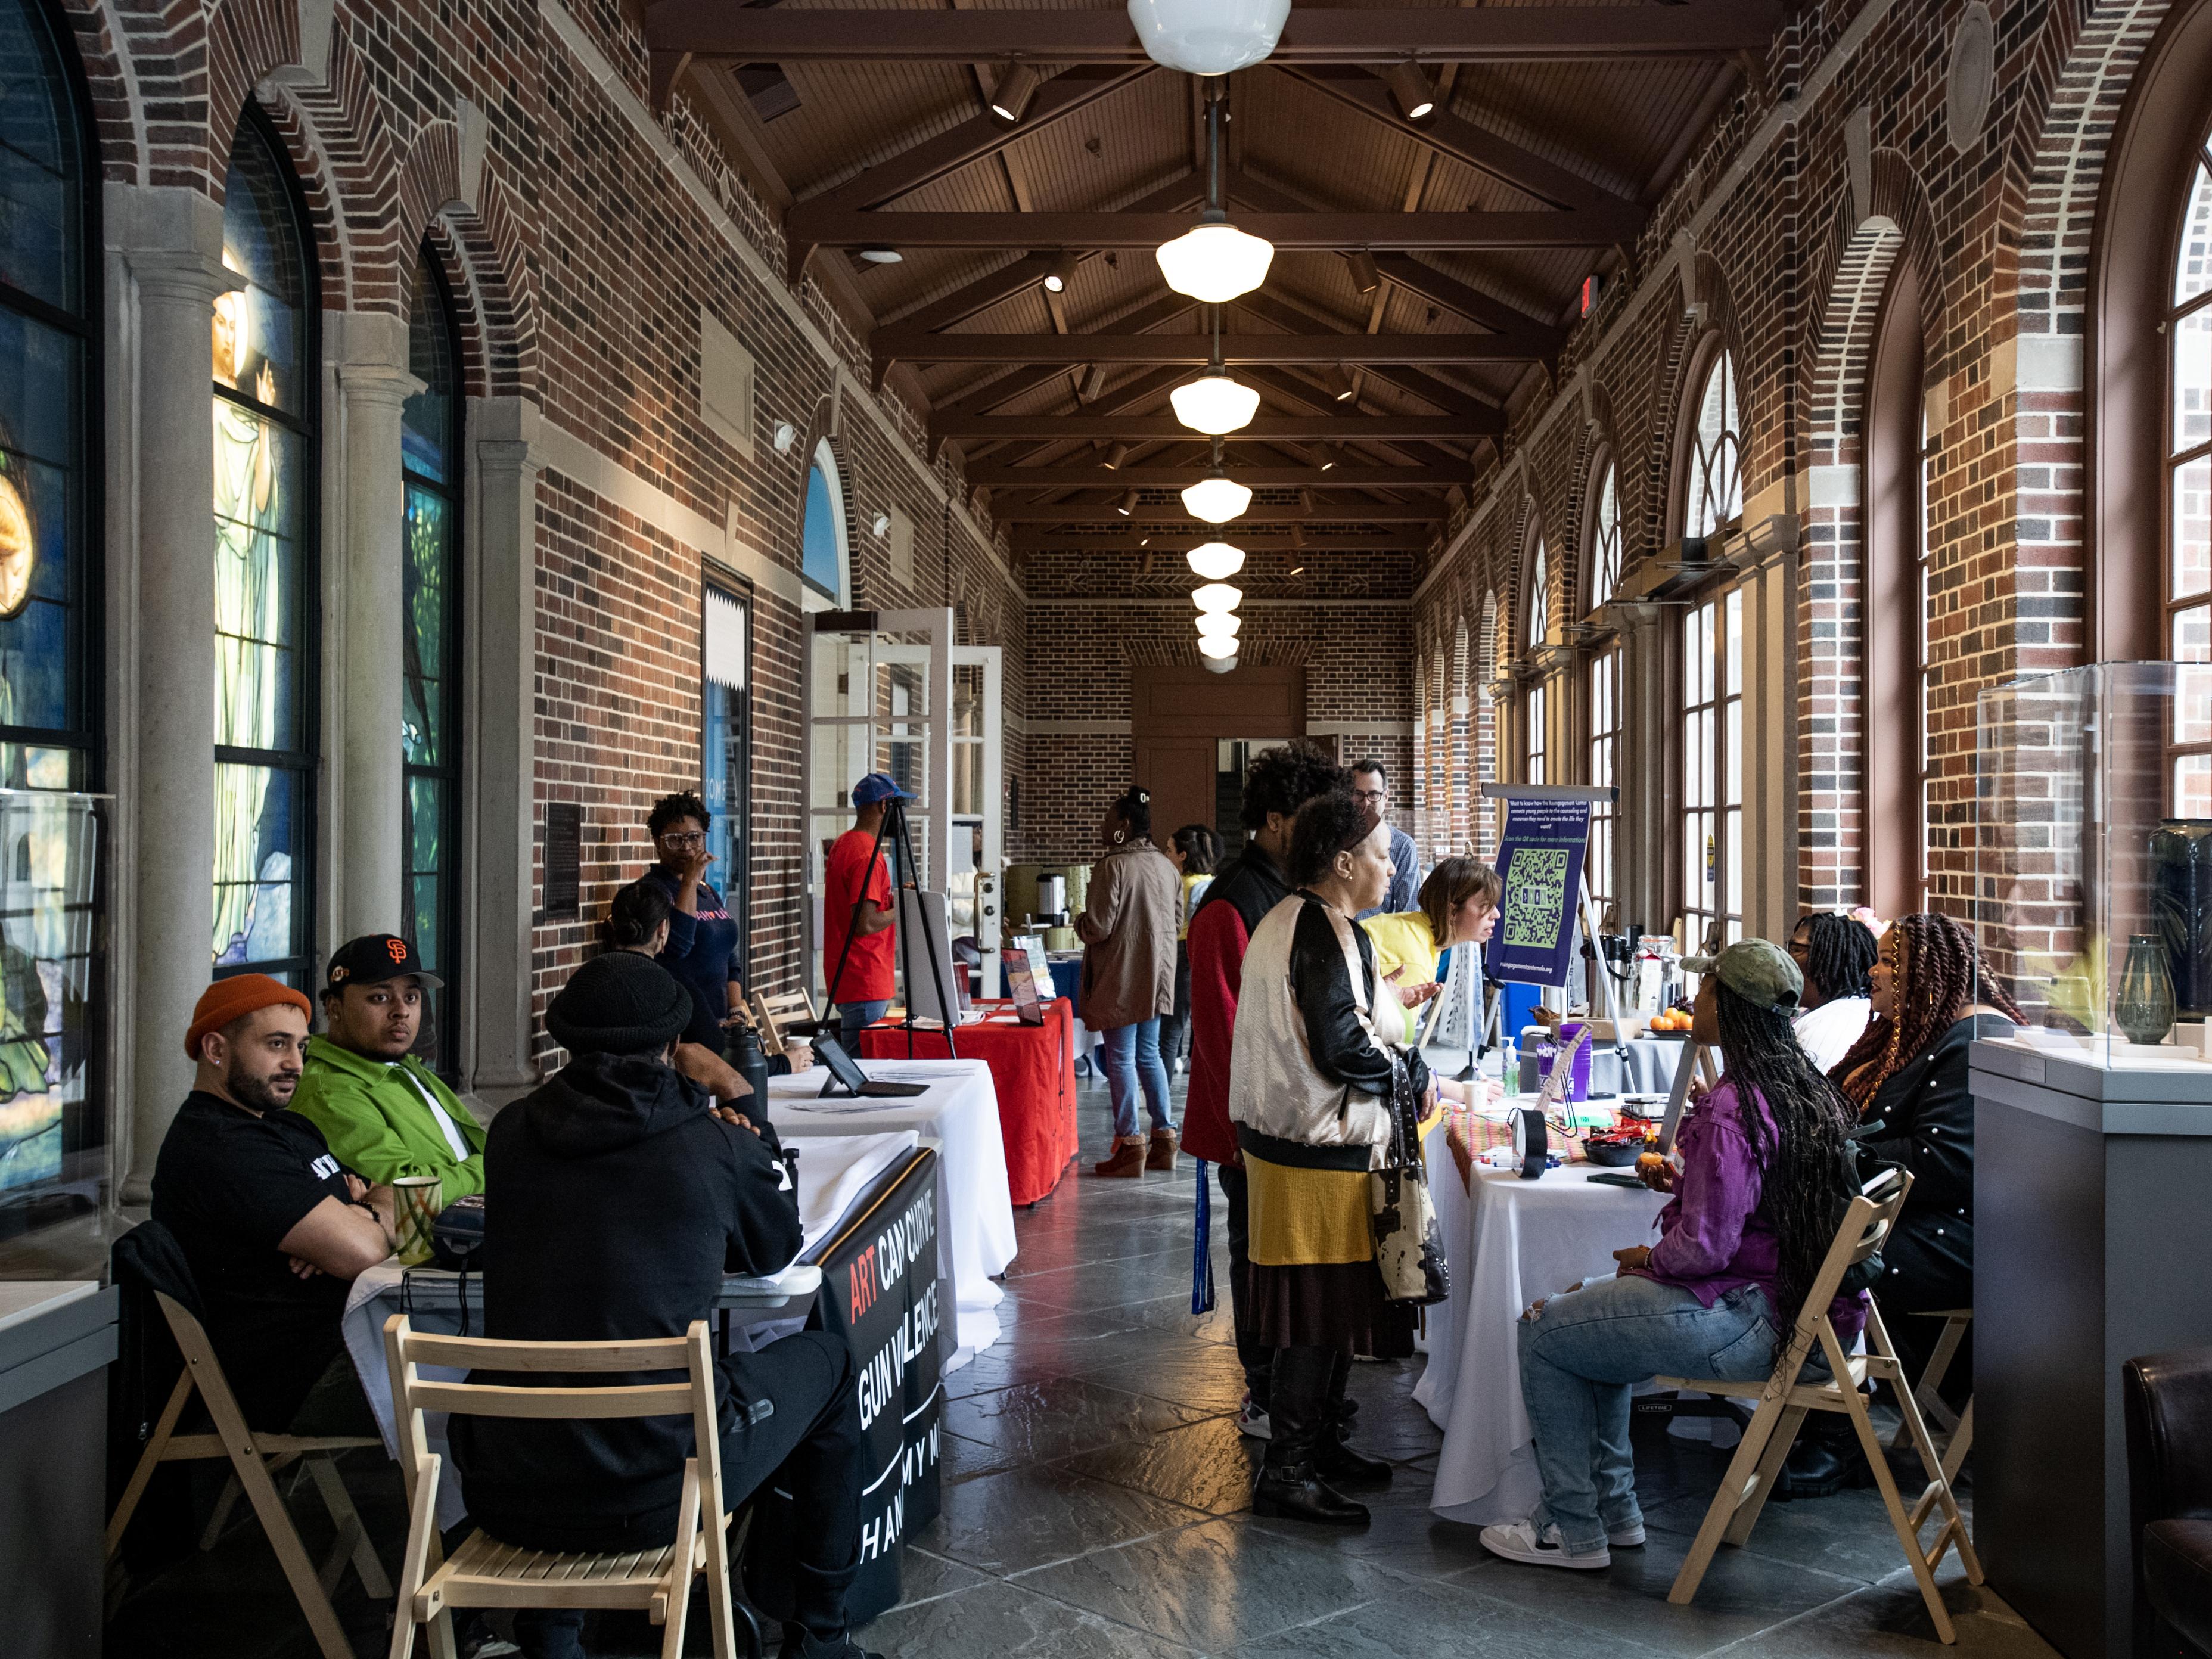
{"points": [[265, 400], [823, 558], [1716, 459], [2189, 494], [46, 741], [725, 748], [430, 454]]}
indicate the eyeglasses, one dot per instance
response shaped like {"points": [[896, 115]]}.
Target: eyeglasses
{"points": [[693, 838], [1370, 796]]}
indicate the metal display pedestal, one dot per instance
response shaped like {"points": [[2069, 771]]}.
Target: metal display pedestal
{"points": [[2092, 1187]]}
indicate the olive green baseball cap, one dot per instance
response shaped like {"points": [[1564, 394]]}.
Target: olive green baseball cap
{"points": [[1756, 970]]}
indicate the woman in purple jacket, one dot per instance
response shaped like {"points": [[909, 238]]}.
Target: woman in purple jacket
{"points": [[1763, 1178]]}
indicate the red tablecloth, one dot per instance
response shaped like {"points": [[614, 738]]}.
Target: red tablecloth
{"points": [[1032, 1068]]}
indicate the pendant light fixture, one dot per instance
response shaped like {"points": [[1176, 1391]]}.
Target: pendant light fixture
{"points": [[1219, 624], [1217, 498], [1208, 37], [1216, 402], [1214, 261], [1221, 651], [1215, 561], [1217, 597]]}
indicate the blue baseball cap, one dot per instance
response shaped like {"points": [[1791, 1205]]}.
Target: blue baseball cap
{"points": [[878, 786]]}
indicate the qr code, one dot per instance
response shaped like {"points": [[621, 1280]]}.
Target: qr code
{"points": [[1536, 897]]}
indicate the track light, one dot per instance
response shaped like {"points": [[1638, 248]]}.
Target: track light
{"points": [[1062, 272], [1305, 500], [1094, 382], [881, 256], [1410, 90], [1016, 88], [1115, 456], [1365, 279], [1126, 506], [1340, 388], [1325, 457]]}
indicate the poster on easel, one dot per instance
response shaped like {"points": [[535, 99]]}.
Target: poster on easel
{"points": [[1539, 860]]}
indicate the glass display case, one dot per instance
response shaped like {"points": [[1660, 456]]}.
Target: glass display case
{"points": [[2092, 861], [53, 1038]]}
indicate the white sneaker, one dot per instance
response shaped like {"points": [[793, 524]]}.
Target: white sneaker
{"points": [[1627, 1538], [1519, 1541], [1252, 1423]]}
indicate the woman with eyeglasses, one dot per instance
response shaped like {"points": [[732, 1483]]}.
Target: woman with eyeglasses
{"points": [[702, 945]]}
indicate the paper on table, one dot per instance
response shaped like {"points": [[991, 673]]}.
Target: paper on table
{"points": [[833, 1170]]}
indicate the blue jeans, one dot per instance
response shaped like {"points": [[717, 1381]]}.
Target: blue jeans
{"points": [[1132, 1054], [1578, 1359], [852, 1018]]}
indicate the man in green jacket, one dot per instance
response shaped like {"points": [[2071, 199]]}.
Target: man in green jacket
{"points": [[384, 1113]]}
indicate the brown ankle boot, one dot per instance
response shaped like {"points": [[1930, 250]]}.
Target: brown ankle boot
{"points": [[1161, 1155], [1128, 1158]]}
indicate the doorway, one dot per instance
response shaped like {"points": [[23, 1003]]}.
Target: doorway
{"points": [[1185, 721]]}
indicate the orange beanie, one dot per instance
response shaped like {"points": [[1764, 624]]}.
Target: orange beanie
{"points": [[228, 999]]}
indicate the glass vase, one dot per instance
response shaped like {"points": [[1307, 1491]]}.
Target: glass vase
{"points": [[2143, 1005]]}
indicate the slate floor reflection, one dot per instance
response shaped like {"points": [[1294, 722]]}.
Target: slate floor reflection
{"points": [[1098, 1502]]}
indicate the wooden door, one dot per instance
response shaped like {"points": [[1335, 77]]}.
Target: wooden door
{"points": [[1179, 771]]}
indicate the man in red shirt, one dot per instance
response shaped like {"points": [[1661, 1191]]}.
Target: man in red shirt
{"points": [[858, 874], [1280, 782]]}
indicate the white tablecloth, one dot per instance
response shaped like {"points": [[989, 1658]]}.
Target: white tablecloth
{"points": [[975, 1207], [1510, 1241]]}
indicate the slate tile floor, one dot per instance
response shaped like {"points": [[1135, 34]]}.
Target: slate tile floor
{"points": [[1097, 1506]]}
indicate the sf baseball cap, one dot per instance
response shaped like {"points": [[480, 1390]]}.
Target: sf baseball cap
{"points": [[375, 958]]}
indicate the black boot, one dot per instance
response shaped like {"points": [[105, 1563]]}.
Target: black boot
{"points": [[1340, 1465], [1823, 1462], [1290, 1484], [1296, 1493]]}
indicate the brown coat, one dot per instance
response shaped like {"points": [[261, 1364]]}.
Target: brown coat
{"points": [[1128, 931]]}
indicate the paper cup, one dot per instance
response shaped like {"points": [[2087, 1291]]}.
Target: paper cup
{"points": [[417, 1201]]}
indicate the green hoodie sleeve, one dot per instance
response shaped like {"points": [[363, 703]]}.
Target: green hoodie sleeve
{"points": [[363, 1136]]}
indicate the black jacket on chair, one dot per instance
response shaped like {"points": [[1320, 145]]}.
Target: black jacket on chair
{"points": [[2168, 1398]]}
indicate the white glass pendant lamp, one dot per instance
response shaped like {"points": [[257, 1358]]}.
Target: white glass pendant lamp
{"points": [[1218, 598], [1215, 561], [1213, 261], [1220, 651], [1219, 624], [1208, 37], [1216, 498], [1215, 402]]}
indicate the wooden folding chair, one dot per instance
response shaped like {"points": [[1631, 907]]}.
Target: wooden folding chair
{"points": [[255, 1458], [772, 1013], [485, 1573], [1787, 1395]]}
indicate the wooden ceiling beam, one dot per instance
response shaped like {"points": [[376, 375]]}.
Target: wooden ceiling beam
{"points": [[1063, 538], [1333, 232], [1314, 34], [1165, 428], [909, 345], [1172, 515], [996, 392], [1099, 476], [1449, 135]]}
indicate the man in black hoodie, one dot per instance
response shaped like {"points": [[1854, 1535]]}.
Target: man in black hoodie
{"points": [[618, 1194]]}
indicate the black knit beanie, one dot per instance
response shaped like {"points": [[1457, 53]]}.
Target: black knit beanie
{"points": [[620, 1003]]}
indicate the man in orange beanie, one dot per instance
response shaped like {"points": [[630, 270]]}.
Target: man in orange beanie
{"points": [[274, 1228]]}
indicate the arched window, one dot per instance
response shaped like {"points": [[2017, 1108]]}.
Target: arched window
{"points": [[1604, 564], [430, 738], [47, 431], [1715, 460], [266, 756], [2189, 482], [1535, 708], [1896, 597], [1712, 768], [824, 561]]}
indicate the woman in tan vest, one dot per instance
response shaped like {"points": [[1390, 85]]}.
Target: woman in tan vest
{"points": [[1128, 931]]}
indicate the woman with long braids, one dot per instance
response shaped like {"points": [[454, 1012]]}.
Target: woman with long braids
{"points": [[1764, 1176], [1932, 997], [1835, 953]]}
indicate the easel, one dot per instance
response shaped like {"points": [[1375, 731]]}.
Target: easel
{"points": [[895, 829], [1586, 909]]}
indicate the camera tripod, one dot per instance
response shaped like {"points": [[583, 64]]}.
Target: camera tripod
{"points": [[896, 829]]}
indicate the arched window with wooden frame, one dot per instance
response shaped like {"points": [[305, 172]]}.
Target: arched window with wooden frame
{"points": [[2188, 493], [1536, 696], [1895, 616], [1602, 561], [1713, 455]]}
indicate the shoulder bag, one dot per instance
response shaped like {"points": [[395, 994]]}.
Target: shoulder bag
{"points": [[1409, 1248]]}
